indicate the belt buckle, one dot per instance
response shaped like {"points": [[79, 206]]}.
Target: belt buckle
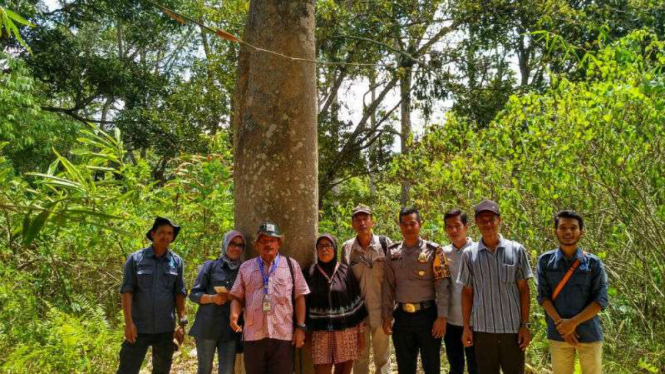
{"points": [[409, 308]]}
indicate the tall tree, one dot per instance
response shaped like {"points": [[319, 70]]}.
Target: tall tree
{"points": [[274, 125]]}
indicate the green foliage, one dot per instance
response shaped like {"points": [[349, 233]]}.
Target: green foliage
{"points": [[65, 233], [8, 28], [31, 132], [595, 146]]}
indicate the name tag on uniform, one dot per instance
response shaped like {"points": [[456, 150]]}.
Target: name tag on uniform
{"points": [[267, 306]]}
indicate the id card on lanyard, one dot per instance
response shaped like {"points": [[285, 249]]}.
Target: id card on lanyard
{"points": [[267, 304]]}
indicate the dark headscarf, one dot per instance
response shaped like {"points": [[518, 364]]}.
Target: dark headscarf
{"points": [[336, 305], [232, 264], [329, 266]]}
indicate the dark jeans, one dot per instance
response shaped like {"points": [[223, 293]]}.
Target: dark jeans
{"points": [[226, 355], [498, 351], [412, 333], [455, 351], [132, 355], [268, 356]]}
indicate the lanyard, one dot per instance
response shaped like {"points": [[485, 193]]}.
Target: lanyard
{"points": [[266, 277], [330, 279]]}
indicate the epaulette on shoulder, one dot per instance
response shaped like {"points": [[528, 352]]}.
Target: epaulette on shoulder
{"points": [[393, 253], [432, 245]]}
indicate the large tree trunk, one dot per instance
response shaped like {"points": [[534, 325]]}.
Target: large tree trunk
{"points": [[405, 93], [274, 125]]}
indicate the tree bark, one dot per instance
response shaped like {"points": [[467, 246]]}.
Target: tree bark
{"points": [[275, 132], [405, 94]]}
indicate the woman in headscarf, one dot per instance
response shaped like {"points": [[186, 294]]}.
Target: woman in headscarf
{"points": [[335, 311], [211, 291]]}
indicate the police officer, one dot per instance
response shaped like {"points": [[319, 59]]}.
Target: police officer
{"points": [[417, 280]]}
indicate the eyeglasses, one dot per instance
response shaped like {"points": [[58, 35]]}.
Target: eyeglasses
{"points": [[237, 245], [321, 247]]}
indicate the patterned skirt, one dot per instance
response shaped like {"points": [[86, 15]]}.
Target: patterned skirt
{"points": [[334, 347]]}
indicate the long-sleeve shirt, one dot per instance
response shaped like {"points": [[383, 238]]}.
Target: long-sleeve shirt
{"points": [[409, 278], [587, 284], [367, 265], [454, 256], [212, 320], [153, 282]]}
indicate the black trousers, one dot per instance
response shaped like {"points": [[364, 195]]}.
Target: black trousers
{"points": [[268, 356], [498, 351], [132, 355], [412, 334], [456, 351]]}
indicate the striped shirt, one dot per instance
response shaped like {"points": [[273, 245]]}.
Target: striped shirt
{"points": [[493, 277]]}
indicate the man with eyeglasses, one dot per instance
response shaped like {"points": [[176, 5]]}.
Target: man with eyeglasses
{"points": [[495, 273], [366, 255], [416, 293], [264, 288]]}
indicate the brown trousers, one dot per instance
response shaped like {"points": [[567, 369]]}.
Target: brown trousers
{"points": [[496, 352], [268, 356]]}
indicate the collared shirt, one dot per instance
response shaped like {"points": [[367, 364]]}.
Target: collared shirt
{"points": [[367, 266], [454, 256], [212, 320], [493, 277], [410, 278], [153, 282], [587, 284], [278, 322]]}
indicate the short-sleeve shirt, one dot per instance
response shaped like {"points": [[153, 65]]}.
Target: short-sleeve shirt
{"points": [[277, 323], [493, 277], [154, 282], [587, 284], [410, 277]]}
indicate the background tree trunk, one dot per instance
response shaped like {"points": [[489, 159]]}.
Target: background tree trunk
{"points": [[405, 93], [275, 130]]}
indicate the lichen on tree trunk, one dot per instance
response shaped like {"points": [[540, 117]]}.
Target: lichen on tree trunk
{"points": [[274, 125]]}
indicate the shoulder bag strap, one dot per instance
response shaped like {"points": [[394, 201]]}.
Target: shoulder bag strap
{"points": [[565, 279]]}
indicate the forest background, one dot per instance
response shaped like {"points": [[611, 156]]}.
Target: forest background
{"points": [[111, 113]]}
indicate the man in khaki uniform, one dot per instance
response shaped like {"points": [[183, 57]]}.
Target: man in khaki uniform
{"points": [[365, 255], [416, 293]]}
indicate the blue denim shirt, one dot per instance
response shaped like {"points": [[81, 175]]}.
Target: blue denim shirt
{"points": [[212, 321], [153, 282], [587, 284]]}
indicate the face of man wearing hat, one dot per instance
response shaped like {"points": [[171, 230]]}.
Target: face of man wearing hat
{"points": [[162, 236], [362, 223], [268, 247], [488, 224]]}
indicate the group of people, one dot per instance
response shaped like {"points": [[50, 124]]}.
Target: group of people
{"points": [[472, 296]]}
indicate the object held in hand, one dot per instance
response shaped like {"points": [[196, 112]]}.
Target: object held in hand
{"points": [[221, 289]]}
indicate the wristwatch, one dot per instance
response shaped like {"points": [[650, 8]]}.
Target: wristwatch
{"points": [[301, 326], [525, 324], [183, 322]]}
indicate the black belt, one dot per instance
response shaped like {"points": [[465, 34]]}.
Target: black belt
{"points": [[414, 307]]}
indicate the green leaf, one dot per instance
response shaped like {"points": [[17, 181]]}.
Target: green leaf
{"points": [[35, 227], [19, 19]]}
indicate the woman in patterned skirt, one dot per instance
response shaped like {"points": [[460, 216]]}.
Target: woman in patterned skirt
{"points": [[335, 311]]}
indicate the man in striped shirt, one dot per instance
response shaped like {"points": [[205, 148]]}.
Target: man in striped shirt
{"points": [[494, 273]]}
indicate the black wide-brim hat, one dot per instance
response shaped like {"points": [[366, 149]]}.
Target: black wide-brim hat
{"points": [[160, 221]]}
